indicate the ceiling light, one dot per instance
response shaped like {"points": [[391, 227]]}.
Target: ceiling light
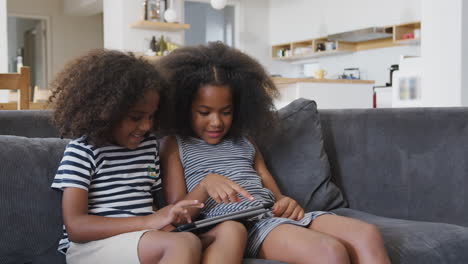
{"points": [[218, 4]]}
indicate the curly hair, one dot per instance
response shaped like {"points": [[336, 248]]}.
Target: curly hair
{"points": [[94, 92], [190, 68]]}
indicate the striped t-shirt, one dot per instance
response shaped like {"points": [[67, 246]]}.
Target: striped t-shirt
{"points": [[119, 181]]}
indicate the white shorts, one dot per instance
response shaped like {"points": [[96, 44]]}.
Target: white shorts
{"points": [[118, 249]]}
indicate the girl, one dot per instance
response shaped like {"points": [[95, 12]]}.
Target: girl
{"points": [[108, 100], [223, 104]]}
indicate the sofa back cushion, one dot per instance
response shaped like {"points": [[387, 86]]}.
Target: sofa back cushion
{"points": [[28, 123], [297, 160], [408, 163], [31, 221]]}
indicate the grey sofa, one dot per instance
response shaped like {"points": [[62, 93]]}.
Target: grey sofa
{"points": [[404, 170]]}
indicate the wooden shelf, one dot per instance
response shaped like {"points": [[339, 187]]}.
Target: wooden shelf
{"points": [[155, 25], [408, 41], [312, 55], [307, 49], [399, 31]]}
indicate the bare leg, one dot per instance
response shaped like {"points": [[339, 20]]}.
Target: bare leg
{"points": [[225, 243], [295, 244], [166, 247], [362, 240]]}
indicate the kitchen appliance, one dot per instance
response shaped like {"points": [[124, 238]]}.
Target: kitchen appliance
{"points": [[362, 34], [407, 83], [383, 93], [351, 74]]}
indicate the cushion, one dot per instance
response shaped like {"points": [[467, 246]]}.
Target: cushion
{"points": [[20, 122], [297, 160], [30, 222], [416, 241]]}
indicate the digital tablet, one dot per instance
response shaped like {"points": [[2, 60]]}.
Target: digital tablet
{"points": [[239, 215]]}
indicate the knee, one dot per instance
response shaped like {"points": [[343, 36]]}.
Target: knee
{"points": [[187, 240], [231, 229], [333, 251], [369, 236]]}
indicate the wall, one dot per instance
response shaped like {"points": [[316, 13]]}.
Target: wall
{"points": [[3, 47], [70, 36], [3, 38], [442, 53], [254, 35], [120, 14], [305, 19], [464, 56]]}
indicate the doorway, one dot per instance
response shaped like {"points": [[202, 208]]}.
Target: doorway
{"points": [[28, 46], [208, 24]]}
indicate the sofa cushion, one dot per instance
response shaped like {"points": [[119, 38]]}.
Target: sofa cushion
{"points": [[416, 241], [28, 123], [30, 222], [297, 160]]}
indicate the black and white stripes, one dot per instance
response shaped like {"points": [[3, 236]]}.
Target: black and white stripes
{"points": [[119, 181]]}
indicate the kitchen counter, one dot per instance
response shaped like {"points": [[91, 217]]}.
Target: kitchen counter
{"points": [[285, 80], [329, 94]]}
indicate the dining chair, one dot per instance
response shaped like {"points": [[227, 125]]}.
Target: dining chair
{"points": [[17, 81]]}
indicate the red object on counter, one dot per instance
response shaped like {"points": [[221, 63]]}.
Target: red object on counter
{"points": [[408, 36]]}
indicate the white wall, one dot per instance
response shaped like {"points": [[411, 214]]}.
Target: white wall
{"points": [[3, 37], [442, 53], [3, 47], [464, 56], [120, 14], [70, 36], [305, 19], [254, 33]]}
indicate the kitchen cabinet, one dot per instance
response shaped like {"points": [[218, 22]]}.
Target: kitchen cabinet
{"points": [[328, 94], [388, 36], [162, 26]]}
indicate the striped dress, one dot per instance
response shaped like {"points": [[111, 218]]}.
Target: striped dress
{"points": [[119, 181], [233, 159]]}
